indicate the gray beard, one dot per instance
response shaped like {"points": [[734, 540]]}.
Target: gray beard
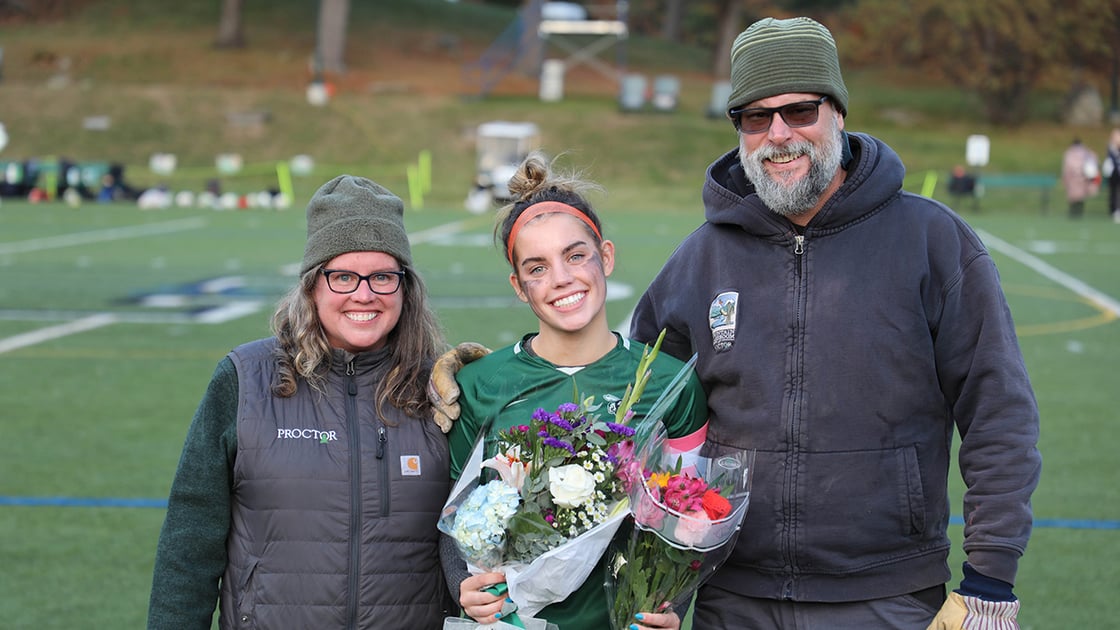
{"points": [[800, 196]]}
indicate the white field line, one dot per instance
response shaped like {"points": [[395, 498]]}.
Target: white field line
{"points": [[97, 236], [83, 238], [1103, 301], [212, 316], [54, 332], [442, 231]]}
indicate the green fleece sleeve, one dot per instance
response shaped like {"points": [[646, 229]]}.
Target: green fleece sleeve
{"points": [[463, 435], [191, 554]]}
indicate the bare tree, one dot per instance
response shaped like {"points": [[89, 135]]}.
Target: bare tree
{"points": [[334, 15], [231, 25], [730, 18], [671, 20]]}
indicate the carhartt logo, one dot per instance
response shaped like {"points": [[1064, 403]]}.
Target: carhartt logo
{"points": [[306, 434], [410, 465]]}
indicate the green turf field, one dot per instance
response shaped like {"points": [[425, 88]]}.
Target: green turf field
{"points": [[112, 319]]}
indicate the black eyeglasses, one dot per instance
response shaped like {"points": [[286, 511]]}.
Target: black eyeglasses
{"points": [[380, 282], [758, 119]]}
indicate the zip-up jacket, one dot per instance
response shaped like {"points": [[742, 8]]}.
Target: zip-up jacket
{"points": [[847, 354], [312, 511]]}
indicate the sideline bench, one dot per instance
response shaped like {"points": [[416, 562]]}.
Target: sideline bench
{"points": [[1042, 182]]}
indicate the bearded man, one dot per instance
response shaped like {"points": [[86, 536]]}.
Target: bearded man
{"points": [[868, 325]]}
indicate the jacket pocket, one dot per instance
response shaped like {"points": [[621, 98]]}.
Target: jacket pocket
{"points": [[858, 509], [247, 598]]}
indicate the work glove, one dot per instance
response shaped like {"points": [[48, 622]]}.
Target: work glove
{"points": [[443, 391], [962, 612], [981, 603]]}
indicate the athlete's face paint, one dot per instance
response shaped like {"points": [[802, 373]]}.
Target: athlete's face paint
{"points": [[561, 273]]}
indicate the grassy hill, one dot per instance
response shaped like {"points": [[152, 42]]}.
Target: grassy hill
{"points": [[150, 69]]}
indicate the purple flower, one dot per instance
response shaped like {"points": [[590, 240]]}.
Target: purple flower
{"points": [[561, 422], [541, 414], [620, 429], [561, 444], [567, 408]]}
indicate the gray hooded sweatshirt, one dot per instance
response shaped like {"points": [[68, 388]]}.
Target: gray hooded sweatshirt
{"points": [[846, 354]]}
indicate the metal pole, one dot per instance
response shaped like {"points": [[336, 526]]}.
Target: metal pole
{"points": [[1114, 113]]}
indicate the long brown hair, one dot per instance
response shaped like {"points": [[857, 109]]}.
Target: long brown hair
{"points": [[534, 182], [413, 345]]}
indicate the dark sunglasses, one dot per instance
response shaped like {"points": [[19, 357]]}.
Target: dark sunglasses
{"points": [[758, 119]]}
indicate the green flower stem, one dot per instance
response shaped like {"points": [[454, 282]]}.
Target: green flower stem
{"points": [[641, 377]]}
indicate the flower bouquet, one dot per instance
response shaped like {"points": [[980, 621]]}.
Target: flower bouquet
{"points": [[542, 501], [687, 515]]}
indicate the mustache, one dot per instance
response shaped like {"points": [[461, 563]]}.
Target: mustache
{"points": [[767, 152]]}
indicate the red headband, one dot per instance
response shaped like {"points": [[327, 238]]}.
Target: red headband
{"points": [[545, 207]]}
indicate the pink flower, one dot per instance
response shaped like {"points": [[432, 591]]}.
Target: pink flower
{"points": [[684, 493], [648, 512], [511, 469], [692, 527]]}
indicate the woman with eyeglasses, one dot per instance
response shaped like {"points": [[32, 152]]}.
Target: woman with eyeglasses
{"points": [[553, 242], [312, 477]]}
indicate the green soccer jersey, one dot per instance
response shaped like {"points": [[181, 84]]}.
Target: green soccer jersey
{"points": [[505, 387]]}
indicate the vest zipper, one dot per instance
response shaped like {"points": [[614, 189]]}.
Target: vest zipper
{"points": [[383, 482], [355, 496]]}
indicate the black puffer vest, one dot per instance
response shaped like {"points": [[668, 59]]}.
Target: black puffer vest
{"points": [[334, 511]]}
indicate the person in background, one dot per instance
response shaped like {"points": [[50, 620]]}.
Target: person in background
{"points": [[1080, 176], [869, 324], [559, 260], [312, 477], [962, 184], [1111, 172]]}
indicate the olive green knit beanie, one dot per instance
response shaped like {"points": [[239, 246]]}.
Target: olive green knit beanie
{"points": [[776, 57], [354, 214]]}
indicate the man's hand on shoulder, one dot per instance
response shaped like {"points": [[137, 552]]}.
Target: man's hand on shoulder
{"points": [[443, 391]]}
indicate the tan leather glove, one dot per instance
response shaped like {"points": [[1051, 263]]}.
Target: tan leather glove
{"points": [[961, 612], [443, 391]]}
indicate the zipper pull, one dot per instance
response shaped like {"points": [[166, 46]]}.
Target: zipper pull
{"points": [[351, 386], [799, 244], [381, 440]]}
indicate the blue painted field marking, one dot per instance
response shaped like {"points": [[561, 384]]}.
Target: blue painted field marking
{"points": [[82, 502], [13, 501]]}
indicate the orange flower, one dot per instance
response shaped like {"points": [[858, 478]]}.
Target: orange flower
{"points": [[715, 505]]}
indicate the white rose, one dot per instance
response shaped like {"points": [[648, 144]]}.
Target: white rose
{"points": [[692, 528], [571, 486]]}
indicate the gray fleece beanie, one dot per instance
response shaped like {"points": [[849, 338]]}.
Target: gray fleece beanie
{"points": [[354, 214], [776, 57]]}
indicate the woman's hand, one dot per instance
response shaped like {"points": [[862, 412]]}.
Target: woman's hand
{"points": [[479, 605], [667, 620]]}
